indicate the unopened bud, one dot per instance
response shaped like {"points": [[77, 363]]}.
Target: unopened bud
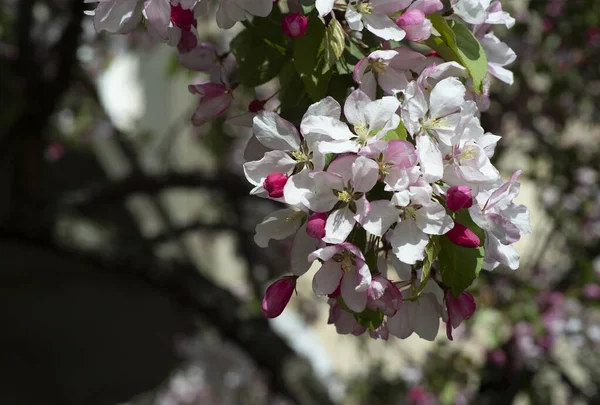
{"points": [[462, 236], [410, 17], [315, 227], [459, 309], [458, 197], [294, 25], [274, 184], [256, 106], [277, 296]]}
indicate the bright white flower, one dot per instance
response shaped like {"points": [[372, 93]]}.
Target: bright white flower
{"points": [[391, 69], [498, 55], [371, 120], [344, 267], [432, 118], [503, 223], [374, 16], [116, 16]]}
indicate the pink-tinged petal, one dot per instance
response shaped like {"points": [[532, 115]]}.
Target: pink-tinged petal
{"points": [[203, 58], [355, 300], [374, 149], [389, 6], [365, 173], [504, 194], [401, 325], [400, 153], [427, 6], [277, 296], [496, 251], [419, 32], [408, 242], [327, 278], [321, 198], [276, 133], [383, 214], [410, 18], [383, 296], [339, 225], [462, 236], [368, 85], [459, 309], [359, 70], [158, 14], [342, 167], [392, 81]]}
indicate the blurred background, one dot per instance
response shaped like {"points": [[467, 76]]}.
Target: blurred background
{"points": [[128, 270]]}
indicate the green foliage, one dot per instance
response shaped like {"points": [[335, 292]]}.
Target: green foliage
{"points": [[460, 266], [261, 50], [309, 59], [457, 43], [334, 44], [396, 134], [369, 319], [432, 250]]}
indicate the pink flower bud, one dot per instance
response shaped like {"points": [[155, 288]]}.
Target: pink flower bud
{"points": [[294, 25], [462, 236], [459, 309], [410, 17], [458, 197], [315, 227], [274, 184], [277, 296], [384, 296], [256, 106], [187, 42], [182, 18]]}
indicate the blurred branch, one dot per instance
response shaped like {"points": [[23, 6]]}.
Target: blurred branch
{"points": [[288, 373]]}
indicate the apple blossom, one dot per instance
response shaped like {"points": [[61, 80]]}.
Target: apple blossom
{"points": [[459, 309], [277, 296], [215, 99], [373, 14]]}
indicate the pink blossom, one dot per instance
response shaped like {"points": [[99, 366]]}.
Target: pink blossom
{"points": [[459, 309], [294, 25], [215, 100], [384, 296], [345, 322], [277, 296], [315, 227], [274, 184], [458, 197]]}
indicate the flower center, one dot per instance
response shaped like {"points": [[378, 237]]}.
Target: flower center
{"points": [[377, 65], [469, 152], [364, 8], [362, 130], [295, 216], [345, 196]]}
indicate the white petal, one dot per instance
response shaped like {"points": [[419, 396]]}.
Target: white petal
{"points": [[354, 107], [496, 251], [401, 325], [408, 242], [446, 97], [381, 115], [342, 166], [382, 215], [383, 27], [427, 322], [259, 8], [275, 226], [321, 198], [298, 189], [275, 161], [274, 132], [339, 225], [414, 108], [433, 220], [353, 19], [326, 128], [327, 107], [497, 52], [338, 147], [430, 159], [519, 216], [327, 278], [254, 150]]}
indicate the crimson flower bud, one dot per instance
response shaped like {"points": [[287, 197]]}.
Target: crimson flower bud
{"points": [[256, 106], [294, 25], [182, 18], [274, 184], [277, 296], [459, 309], [458, 197], [463, 236], [315, 227]]}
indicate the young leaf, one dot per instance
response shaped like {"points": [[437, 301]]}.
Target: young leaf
{"points": [[369, 319], [431, 253], [456, 42], [334, 44], [309, 59], [398, 133]]}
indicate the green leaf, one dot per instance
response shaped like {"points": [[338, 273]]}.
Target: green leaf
{"points": [[334, 44], [369, 319], [351, 56], [398, 133], [328, 159], [308, 6], [460, 266], [457, 43], [431, 253], [292, 91], [259, 59], [309, 59]]}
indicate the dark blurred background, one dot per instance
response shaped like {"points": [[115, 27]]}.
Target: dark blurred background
{"points": [[128, 270]]}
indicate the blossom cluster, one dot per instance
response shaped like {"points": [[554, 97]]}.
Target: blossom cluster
{"points": [[394, 175]]}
